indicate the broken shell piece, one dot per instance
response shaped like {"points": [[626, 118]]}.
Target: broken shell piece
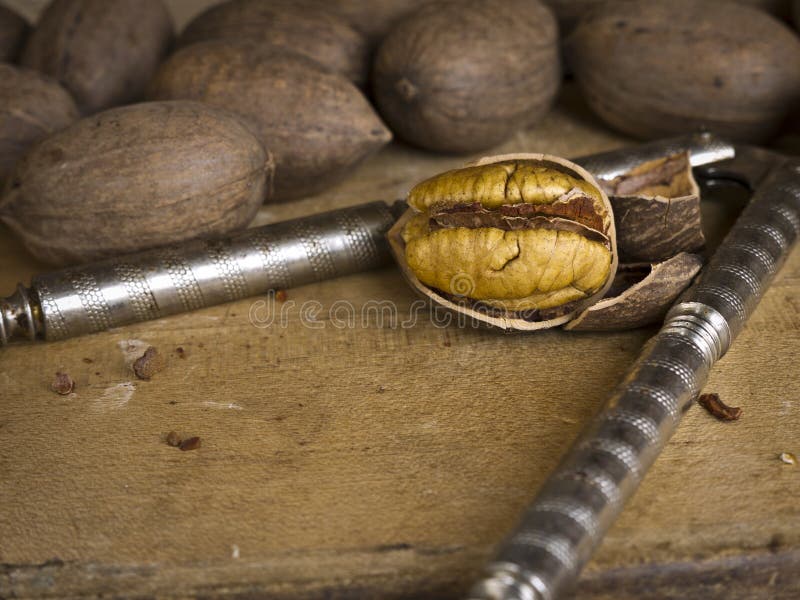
{"points": [[517, 241], [63, 384], [640, 295], [148, 364], [657, 210]]}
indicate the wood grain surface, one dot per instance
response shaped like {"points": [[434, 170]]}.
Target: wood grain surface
{"points": [[383, 459]]}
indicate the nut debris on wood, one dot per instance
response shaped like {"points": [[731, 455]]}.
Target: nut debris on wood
{"points": [[62, 384], [148, 364], [192, 443], [716, 407]]}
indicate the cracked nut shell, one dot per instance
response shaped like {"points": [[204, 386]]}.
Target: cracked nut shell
{"points": [[640, 295], [136, 177], [657, 210], [464, 75], [517, 241], [665, 67]]}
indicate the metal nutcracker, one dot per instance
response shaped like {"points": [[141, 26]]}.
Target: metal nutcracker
{"points": [[165, 281], [560, 530], [584, 495]]}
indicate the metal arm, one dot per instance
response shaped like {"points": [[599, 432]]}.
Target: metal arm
{"points": [[586, 493], [165, 281], [703, 148]]}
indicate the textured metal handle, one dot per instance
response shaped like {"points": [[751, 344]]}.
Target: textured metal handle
{"points": [[578, 503], [743, 266], [165, 281]]}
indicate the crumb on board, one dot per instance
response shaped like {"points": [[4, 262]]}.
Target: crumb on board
{"points": [[88, 361], [173, 439], [788, 458], [148, 364], [281, 295], [62, 384], [716, 407], [191, 443], [180, 352]]}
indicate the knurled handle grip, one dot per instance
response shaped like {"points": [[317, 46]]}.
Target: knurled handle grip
{"points": [[582, 498], [743, 266], [173, 279]]}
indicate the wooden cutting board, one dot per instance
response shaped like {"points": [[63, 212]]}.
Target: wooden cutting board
{"points": [[383, 459]]}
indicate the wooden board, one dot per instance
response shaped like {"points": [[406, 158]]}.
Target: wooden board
{"points": [[384, 459]]}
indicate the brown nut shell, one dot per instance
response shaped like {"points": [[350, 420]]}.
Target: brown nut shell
{"points": [[570, 12], [464, 75], [373, 18], [307, 28], [657, 210], [641, 295], [136, 177], [32, 106], [781, 9], [528, 191], [103, 51], [664, 67], [13, 30], [317, 124]]}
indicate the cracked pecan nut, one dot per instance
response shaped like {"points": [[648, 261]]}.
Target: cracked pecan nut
{"points": [[518, 241]]}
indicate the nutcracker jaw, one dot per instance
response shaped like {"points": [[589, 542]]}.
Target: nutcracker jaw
{"points": [[703, 149], [749, 167]]}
